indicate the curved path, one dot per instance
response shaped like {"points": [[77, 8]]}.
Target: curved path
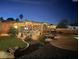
{"points": [[65, 43], [49, 52], [27, 45]]}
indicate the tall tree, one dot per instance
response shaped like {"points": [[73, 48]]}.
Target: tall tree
{"points": [[1, 19], [21, 16], [17, 19], [63, 24], [74, 23], [10, 19]]}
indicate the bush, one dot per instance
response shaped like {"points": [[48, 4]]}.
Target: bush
{"points": [[12, 31]]}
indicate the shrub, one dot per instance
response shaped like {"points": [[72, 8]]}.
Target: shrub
{"points": [[12, 31]]}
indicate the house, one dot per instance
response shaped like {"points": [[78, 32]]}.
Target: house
{"points": [[24, 25], [5, 25]]}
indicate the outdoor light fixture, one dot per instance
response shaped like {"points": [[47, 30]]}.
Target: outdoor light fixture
{"points": [[16, 27], [26, 28]]}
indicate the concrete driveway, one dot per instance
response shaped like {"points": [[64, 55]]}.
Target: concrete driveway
{"points": [[65, 42]]}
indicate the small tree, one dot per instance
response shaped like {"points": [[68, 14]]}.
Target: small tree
{"points": [[12, 31]]}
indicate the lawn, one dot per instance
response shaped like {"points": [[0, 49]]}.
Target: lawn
{"points": [[10, 42]]}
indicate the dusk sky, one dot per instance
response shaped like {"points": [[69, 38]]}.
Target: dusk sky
{"points": [[51, 11]]}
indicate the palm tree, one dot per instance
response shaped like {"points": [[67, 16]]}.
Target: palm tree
{"points": [[21, 16]]}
